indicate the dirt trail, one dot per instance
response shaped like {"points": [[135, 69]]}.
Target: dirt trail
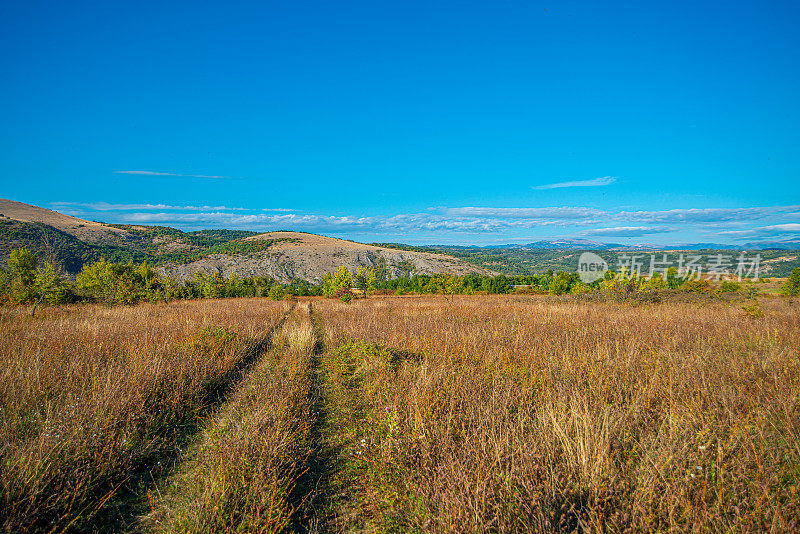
{"points": [[309, 495], [133, 499], [326, 490]]}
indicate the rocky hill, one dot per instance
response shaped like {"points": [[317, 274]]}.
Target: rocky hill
{"points": [[295, 255], [283, 256]]}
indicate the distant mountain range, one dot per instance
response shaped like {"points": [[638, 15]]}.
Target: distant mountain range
{"points": [[585, 244], [71, 242]]}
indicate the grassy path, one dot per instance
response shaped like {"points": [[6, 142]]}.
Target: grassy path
{"points": [[309, 497], [243, 472], [135, 497], [338, 489]]}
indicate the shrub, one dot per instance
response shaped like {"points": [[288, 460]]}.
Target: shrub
{"points": [[114, 283], [332, 283], [21, 276], [792, 284], [51, 287], [276, 292], [561, 283], [727, 286], [753, 310], [696, 286], [343, 294]]}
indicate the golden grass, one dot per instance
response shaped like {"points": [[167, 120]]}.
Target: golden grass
{"points": [[487, 413], [514, 414], [243, 472], [89, 393]]}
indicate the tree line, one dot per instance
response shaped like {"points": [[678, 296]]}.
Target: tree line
{"points": [[26, 280]]}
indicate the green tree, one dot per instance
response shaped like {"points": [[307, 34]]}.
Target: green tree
{"points": [[561, 283], [673, 280], [119, 283], [792, 284], [453, 285], [276, 292], [655, 282], [342, 279], [21, 276], [22, 264], [96, 280], [364, 279], [51, 287], [327, 284]]}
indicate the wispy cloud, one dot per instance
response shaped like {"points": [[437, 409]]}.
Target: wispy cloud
{"points": [[594, 182], [154, 173], [772, 230], [564, 212], [627, 231], [105, 206], [709, 215], [256, 221]]}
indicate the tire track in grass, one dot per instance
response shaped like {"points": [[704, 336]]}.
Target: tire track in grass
{"points": [[329, 487], [352, 485], [134, 498], [241, 473], [309, 497]]}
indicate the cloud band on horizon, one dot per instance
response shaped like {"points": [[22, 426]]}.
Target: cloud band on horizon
{"points": [[482, 222]]}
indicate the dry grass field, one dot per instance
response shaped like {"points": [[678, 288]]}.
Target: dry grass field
{"points": [[93, 397], [468, 414]]}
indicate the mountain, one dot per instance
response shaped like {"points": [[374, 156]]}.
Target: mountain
{"points": [[284, 256], [83, 230], [761, 245], [569, 244]]}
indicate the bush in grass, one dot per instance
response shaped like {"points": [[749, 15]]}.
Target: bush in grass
{"points": [[727, 286], [276, 292], [115, 283], [792, 285], [343, 294], [696, 286], [332, 283], [26, 281]]}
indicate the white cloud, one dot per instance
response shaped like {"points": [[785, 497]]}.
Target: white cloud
{"points": [[105, 206], [482, 222], [154, 173], [594, 182], [791, 227], [627, 231], [707, 215], [772, 230], [565, 212]]}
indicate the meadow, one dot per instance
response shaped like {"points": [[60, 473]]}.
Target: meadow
{"points": [[485, 413]]}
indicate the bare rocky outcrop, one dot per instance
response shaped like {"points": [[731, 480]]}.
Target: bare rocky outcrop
{"points": [[309, 257]]}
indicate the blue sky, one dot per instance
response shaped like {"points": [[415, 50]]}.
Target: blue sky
{"points": [[418, 122]]}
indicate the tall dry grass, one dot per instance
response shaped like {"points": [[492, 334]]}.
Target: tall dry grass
{"points": [[243, 474], [91, 395], [492, 413], [541, 414]]}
